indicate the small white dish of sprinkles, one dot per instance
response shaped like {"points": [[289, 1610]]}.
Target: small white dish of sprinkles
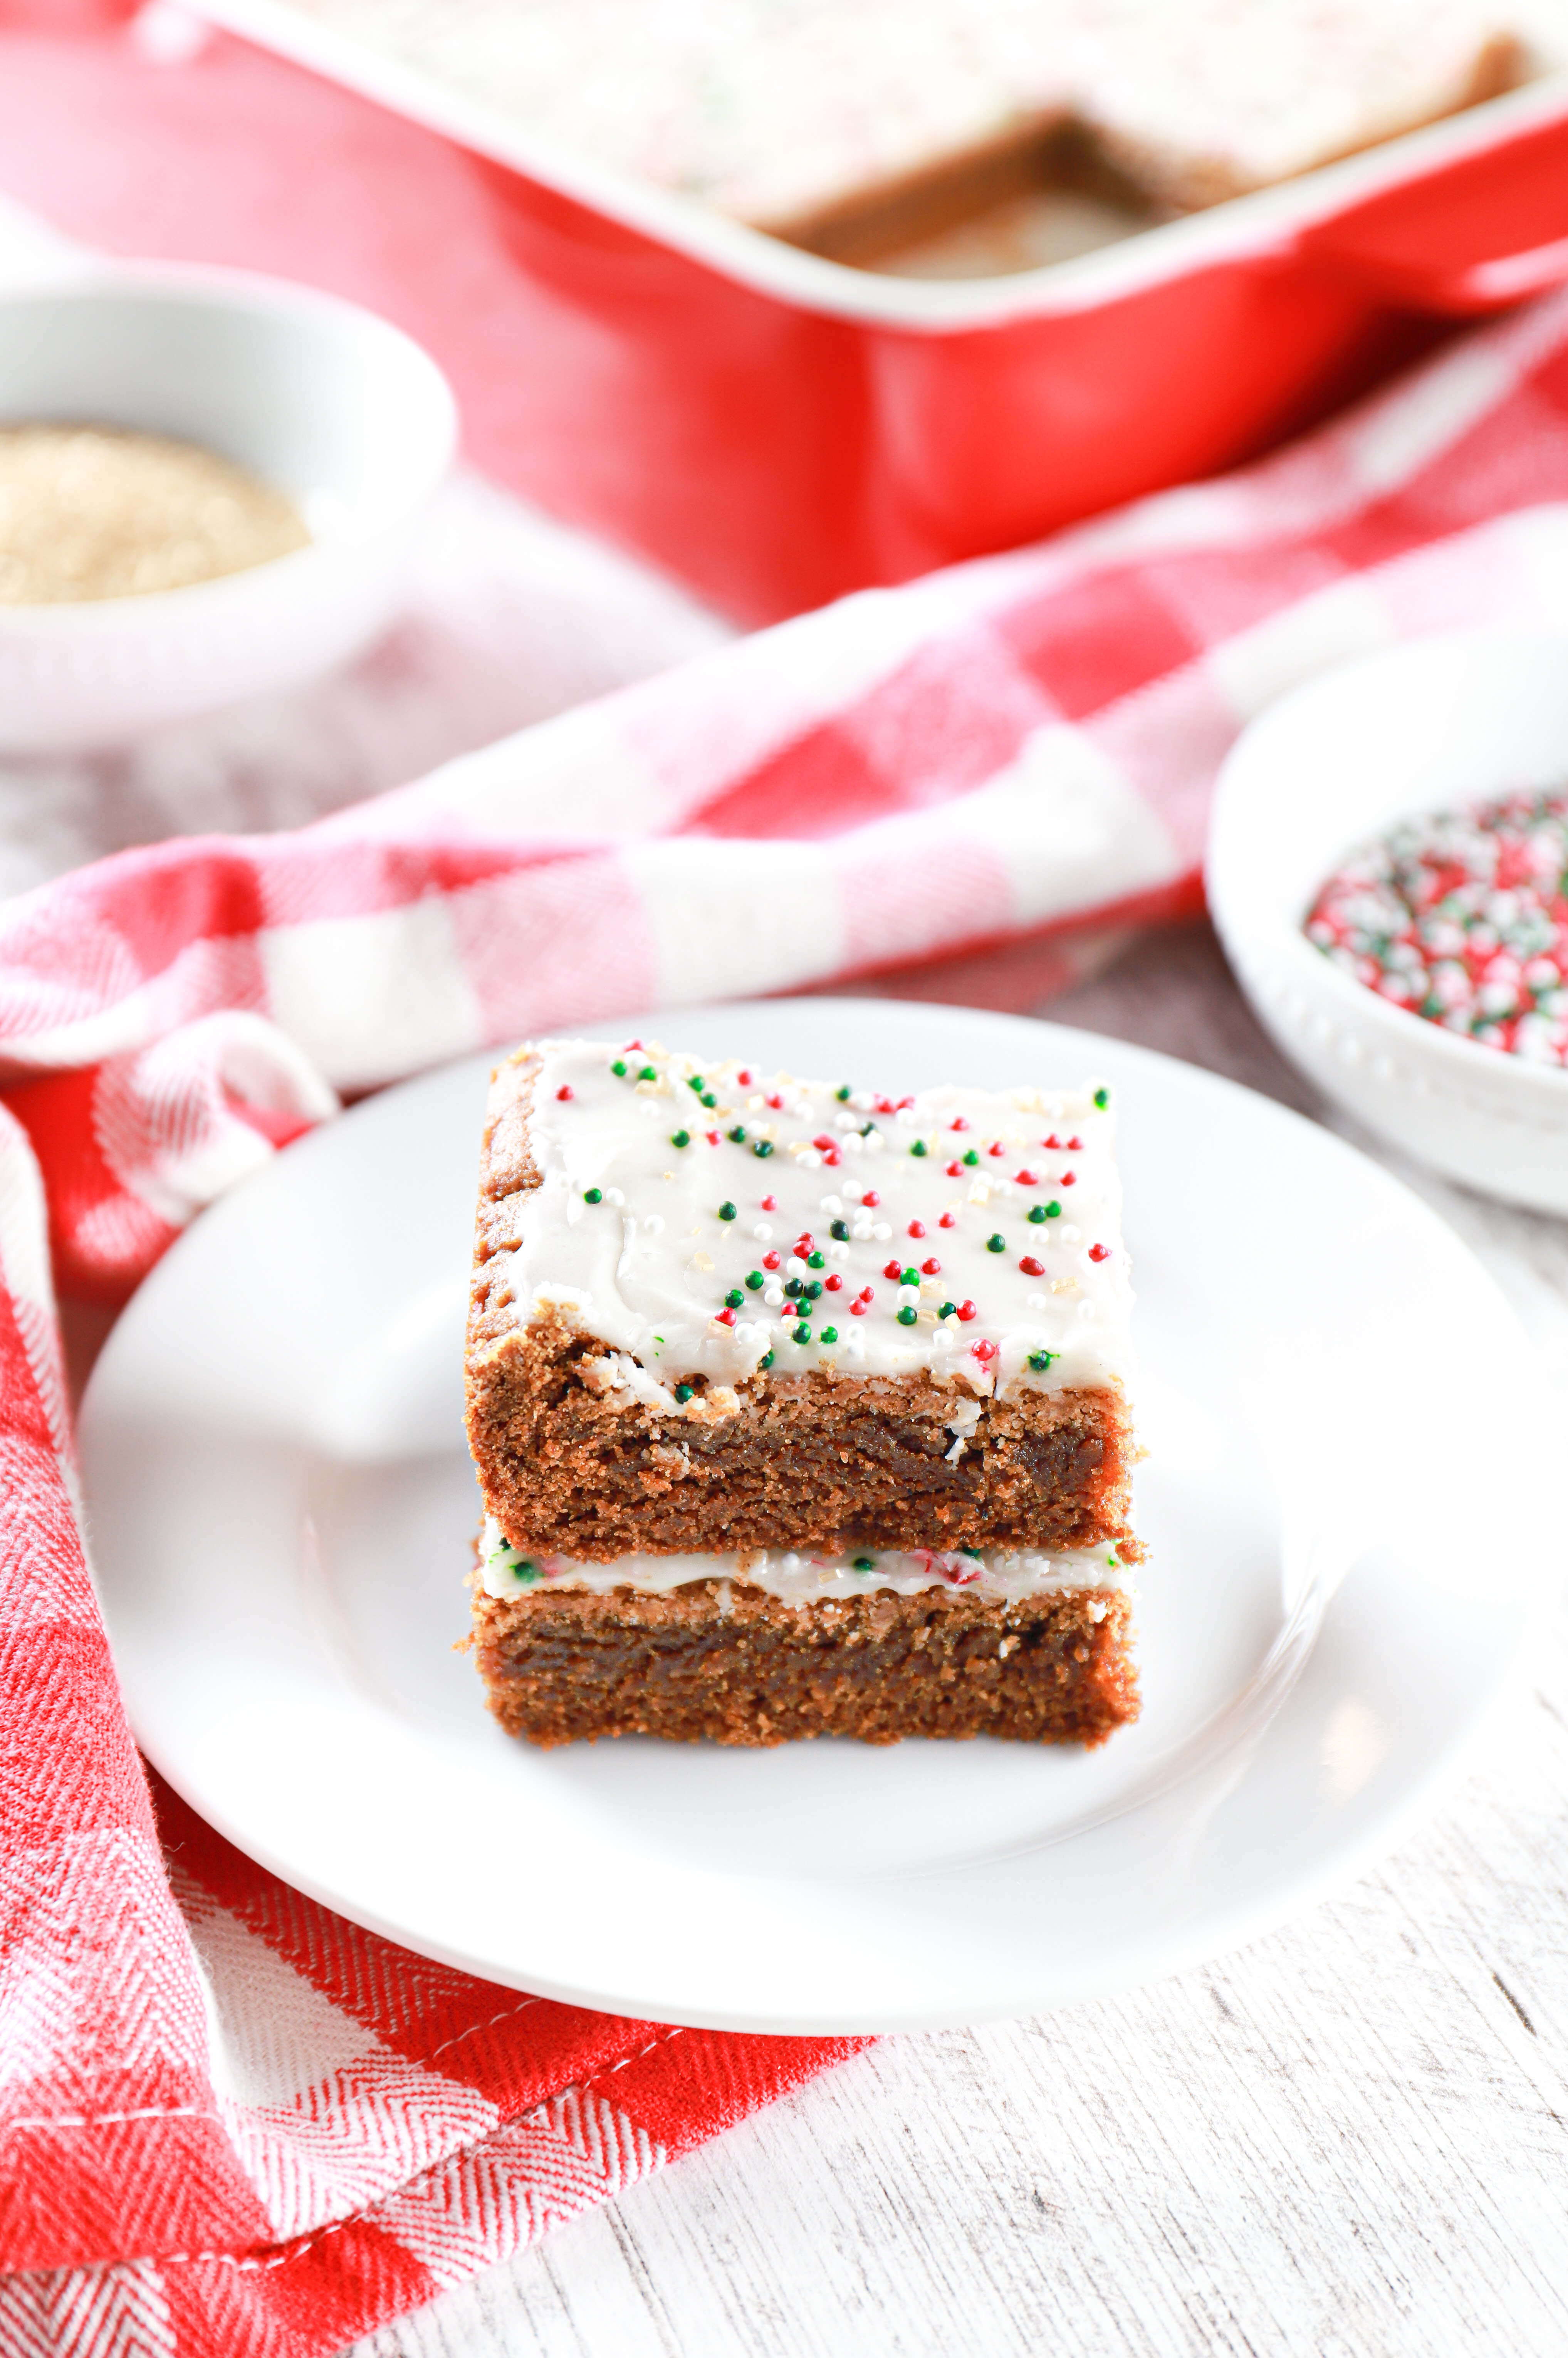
{"points": [[282, 1517], [1386, 870]]}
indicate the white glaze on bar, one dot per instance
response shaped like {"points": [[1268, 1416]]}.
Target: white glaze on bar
{"points": [[804, 1576], [647, 1268]]}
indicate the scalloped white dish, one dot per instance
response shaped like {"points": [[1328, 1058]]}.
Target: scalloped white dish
{"points": [[1429, 726], [281, 1512]]}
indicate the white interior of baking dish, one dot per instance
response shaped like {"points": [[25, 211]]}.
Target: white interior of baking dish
{"points": [[1095, 248]]}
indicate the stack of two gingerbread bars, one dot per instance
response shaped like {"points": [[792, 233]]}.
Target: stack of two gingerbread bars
{"points": [[798, 1410]]}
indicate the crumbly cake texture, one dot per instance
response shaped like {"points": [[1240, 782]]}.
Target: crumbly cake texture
{"points": [[715, 1310], [794, 116], [731, 1664]]}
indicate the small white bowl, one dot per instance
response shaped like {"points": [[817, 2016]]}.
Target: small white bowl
{"points": [[1424, 727], [328, 403]]}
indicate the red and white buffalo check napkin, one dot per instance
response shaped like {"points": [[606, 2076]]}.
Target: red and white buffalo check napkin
{"points": [[229, 2122]]}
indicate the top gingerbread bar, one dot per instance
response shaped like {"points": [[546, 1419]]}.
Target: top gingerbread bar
{"points": [[714, 1309]]}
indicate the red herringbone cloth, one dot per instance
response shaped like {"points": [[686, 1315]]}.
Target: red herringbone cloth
{"points": [[230, 2121]]}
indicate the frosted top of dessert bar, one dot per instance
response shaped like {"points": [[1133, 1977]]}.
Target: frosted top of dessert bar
{"points": [[706, 1219], [803, 1575]]}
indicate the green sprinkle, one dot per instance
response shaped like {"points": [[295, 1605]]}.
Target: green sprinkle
{"points": [[971, 1158], [997, 1243], [906, 1316], [686, 1392], [919, 1146], [974, 1551], [1102, 1099], [910, 1277], [697, 1084], [755, 1279], [528, 1569], [709, 1098], [765, 1361], [736, 1136], [830, 1334], [949, 1310], [727, 1211], [843, 1095], [1041, 1361], [648, 1072], [1111, 1559], [734, 1298], [680, 1138], [794, 1287], [1052, 1211], [1036, 1213], [816, 1260], [619, 1068], [801, 1334], [810, 1290], [593, 1195], [839, 1231], [762, 1146], [865, 1564]]}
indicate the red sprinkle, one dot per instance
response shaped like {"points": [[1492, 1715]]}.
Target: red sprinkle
{"points": [[724, 1318], [769, 1260], [1054, 1144], [902, 1103], [984, 1350], [867, 1292], [917, 1227], [633, 1043], [770, 1203], [870, 1197], [955, 1171], [948, 1221], [995, 1147], [1099, 1252], [1031, 1267], [824, 1141], [831, 1158], [833, 1284], [712, 1136], [1025, 1178], [744, 1078], [563, 1093], [859, 1309], [1075, 1145], [967, 1311], [961, 1123], [1068, 1179], [803, 1243], [893, 1269], [933, 1267]]}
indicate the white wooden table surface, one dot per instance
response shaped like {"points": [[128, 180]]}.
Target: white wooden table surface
{"points": [[1349, 2141]]}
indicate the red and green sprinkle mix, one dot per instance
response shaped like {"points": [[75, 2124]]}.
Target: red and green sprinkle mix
{"points": [[1461, 917]]}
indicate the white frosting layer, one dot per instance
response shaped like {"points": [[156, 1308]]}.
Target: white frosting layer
{"points": [[806, 1577], [683, 1205]]}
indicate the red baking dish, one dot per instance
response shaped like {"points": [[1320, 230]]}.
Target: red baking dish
{"points": [[776, 428]]}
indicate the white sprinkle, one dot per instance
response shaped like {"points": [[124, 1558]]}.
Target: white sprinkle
{"points": [[908, 1293], [762, 1233], [861, 1231], [613, 1195], [943, 1339], [853, 1191], [1037, 1301], [837, 1252], [853, 1144], [881, 1231], [791, 1562], [1069, 1235], [773, 1293], [832, 1204], [797, 1266], [875, 1144], [810, 1160]]}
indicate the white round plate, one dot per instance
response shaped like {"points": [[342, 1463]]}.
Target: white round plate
{"points": [[1348, 1452]]}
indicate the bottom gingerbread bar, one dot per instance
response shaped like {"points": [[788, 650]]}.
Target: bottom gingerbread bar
{"points": [[721, 1660]]}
